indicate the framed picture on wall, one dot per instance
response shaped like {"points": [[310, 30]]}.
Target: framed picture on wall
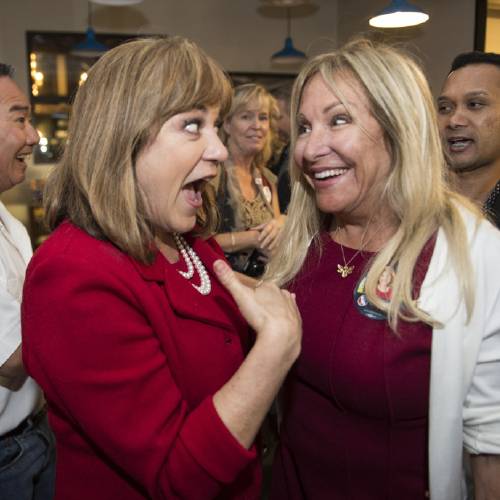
{"points": [[487, 33], [57, 65]]}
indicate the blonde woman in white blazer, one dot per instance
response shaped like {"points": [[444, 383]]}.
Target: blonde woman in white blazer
{"points": [[398, 282]]}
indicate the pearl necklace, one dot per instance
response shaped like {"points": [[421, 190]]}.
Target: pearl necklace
{"points": [[193, 262]]}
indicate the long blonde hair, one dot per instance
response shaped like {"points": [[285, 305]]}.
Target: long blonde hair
{"points": [[129, 93], [415, 190], [242, 97]]}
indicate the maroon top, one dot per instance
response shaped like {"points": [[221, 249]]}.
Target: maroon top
{"points": [[356, 402], [129, 356]]}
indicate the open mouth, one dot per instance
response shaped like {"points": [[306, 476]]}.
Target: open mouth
{"points": [[459, 144], [328, 174], [22, 157], [193, 191]]}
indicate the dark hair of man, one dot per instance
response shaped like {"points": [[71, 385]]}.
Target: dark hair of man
{"points": [[283, 92], [6, 70], [475, 57]]}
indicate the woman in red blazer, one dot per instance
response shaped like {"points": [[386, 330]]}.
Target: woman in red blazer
{"points": [[127, 323]]}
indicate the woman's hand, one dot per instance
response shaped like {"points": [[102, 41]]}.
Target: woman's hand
{"points": [[270, 311], [244, 400], [269, 235]]}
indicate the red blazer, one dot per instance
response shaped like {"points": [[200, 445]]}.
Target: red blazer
{"points": [[129, 357]]}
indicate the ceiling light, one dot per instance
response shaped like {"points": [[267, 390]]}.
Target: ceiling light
{"points": [[288, 54], [89, 47], [285, 3], [117, 2], [399, 14]]}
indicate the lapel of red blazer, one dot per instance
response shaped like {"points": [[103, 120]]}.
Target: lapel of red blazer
{"points": [[216, 308]]}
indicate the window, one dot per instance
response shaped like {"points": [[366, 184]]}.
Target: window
{"points": [[55, 72]]}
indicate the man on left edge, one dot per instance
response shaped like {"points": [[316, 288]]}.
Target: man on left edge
{"points": [[27, 453]]}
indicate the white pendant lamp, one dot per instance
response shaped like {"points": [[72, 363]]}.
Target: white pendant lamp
{"points": [[399, 14]]}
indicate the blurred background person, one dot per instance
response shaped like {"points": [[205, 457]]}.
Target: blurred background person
{"points": [[469, 120], [136, 342], [246, 189], [283, 94], [391, 388], [27, 450]]}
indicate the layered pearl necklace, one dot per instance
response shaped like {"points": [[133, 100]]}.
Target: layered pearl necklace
{"points": [[193, 262]]}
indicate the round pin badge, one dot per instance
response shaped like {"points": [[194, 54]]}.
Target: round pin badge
{"points": [[267, 193], [384, 291]]}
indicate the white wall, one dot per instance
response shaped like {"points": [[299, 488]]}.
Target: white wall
{"points": [[449, 31], [240, 34]]}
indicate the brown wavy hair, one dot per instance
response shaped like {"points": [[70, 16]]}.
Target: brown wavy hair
{"points": [[129, 93]]}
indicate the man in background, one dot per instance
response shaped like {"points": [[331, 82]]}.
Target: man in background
{"points": [[27, 453], [469, 121]]}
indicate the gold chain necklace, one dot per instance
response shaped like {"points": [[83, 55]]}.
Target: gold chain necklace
{"points": [[346, 269]]}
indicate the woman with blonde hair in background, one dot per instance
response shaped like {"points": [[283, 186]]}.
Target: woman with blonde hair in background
{"points": [[391, 389], [152, 388], [246, 189]]}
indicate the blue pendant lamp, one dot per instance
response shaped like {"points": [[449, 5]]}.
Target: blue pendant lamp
{"points": [[288, 54], [399, 14], [89, 47]]}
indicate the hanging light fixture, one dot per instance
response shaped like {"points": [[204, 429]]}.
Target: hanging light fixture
{"points": [[288, 54], [399, 14], [285, 3], [89, 47], [117, 2]]}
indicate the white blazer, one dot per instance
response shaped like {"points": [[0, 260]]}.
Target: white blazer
{"points": [[464, 411]]}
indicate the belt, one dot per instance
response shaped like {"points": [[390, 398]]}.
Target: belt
{"points": [[30, 421]]}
